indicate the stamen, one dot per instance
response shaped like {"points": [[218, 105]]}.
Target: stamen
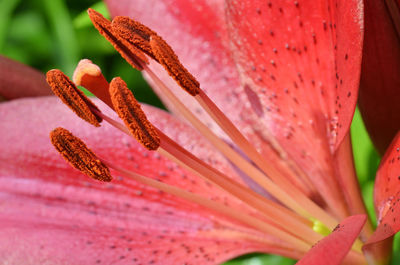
{"points": [[89, 75], [130, 53], [135, 33], [66, 90], [168, 59], [75, 151], [130, 112]]}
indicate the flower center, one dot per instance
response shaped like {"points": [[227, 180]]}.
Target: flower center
{"points": [[293, 218]]}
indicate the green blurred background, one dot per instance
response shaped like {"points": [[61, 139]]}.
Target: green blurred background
{"points": [[48, 34]]}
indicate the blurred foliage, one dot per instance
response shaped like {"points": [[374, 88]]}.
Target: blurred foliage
{"points": [[366, 160], [261, 259], [48, 34]]}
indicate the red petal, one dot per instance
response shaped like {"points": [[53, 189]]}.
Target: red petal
{"points": [[300, 62], [18, 80], [333, 249], [302, 59], [55, 215], [387, 194], [380, 79]]}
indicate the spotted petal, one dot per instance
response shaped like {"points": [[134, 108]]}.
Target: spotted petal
{"points": [[333, 249], [299, 63], [302, 60], [387, 194], [52, 214]]}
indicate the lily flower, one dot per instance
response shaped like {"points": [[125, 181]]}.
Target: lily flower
{"points": [[264, 165]]}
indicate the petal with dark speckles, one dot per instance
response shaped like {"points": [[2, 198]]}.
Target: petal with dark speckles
{"points": [[333, 249]]}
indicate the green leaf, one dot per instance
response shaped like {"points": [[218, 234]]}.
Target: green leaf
{"points": [[368, 195], [261, 259], [83, 21], [7, 8], [67, 46], [366, 157], [396, 250], [28, 40]]}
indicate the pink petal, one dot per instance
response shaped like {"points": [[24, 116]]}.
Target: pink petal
{"points": [[18, 80], [380, 79], [387, 194], [300, 65], [55, 215], [333, 249]]}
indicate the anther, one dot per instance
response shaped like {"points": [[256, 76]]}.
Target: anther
{"points": [[75, 151], [130, 53], [135, 33], [88, 75], [169, 60], [66, 90], [130, 112]]}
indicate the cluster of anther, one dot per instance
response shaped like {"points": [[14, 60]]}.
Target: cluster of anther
{"points": [[123, 102], [131, 39], [125, 105]]}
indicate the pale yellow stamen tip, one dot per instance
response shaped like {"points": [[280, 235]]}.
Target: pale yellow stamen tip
{"points": [[85, 67]]}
